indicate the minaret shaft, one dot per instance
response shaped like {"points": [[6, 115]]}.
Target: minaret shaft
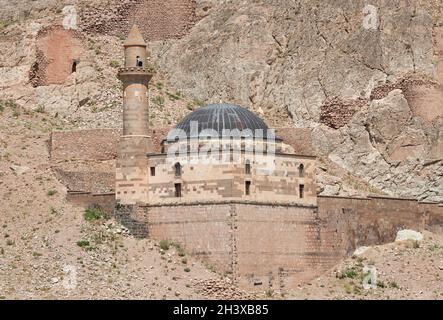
{"points": [[132, 166]]}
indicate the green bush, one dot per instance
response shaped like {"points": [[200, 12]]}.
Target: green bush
{"points": [[348, 273], [92, 214], [180, 251], [51, 192], [174, 97], [164, 245], [83, 243], [114, 64], [159, 100]]}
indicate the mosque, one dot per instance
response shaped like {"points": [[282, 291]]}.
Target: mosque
{"points": [[220, 152]]}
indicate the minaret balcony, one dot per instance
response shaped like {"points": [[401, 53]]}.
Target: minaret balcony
{"points": [[135, 72]]}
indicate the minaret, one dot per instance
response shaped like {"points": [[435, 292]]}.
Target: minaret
{"points": [[132, 165]]}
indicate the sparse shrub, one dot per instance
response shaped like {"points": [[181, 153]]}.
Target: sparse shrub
{"points": [[164, 245], [159, 100], [121, 36], [83, 243], [50, 193], [348, 273], [2, 251], [9, 242], [187, 269], [173, 96], [184, 261], [269, 293], [114, 64], [348, 288], [381, 284], [159, 85], [190, 106], [415, 244], [180, 251], [40, 109], [198, 102], [3, 25], [394, 285], [92, 214], [351, 273]]}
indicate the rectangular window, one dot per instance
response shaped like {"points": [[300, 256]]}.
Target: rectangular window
{"points": [[247, 188], [301, 191], [248, 168], [178, 190], [152, 171]]}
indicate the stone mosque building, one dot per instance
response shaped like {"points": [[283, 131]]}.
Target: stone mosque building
{"points": [[233, 192], [218, 152]]}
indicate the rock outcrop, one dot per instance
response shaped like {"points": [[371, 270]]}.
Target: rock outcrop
{"points": [[366, 79]]}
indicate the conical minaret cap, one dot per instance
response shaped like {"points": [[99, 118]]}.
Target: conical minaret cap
{"points": [[135, 38]]}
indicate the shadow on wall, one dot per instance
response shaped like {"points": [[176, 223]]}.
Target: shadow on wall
{"points": [[137, 227]]}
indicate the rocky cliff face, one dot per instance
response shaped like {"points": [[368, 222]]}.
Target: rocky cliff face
{"points": [[366, 79]]}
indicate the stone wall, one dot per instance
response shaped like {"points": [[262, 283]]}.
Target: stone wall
{"points": [[268, 246], [272, 179], [348, 223], [106, 201], [56, 53], [157, 19], [94, 144]]}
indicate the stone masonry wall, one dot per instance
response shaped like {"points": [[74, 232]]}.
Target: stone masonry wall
{"points": [[266, 246], [214, 181], [57, 50], [106, 201], [95, 144], [157, 19], [347, 223]]}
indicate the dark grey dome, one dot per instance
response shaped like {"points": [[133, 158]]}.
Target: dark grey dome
{"points": [[223, 116]]}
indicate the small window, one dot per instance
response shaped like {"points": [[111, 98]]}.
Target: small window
{"points": [[247, 188], [139, 62], [301, 170], [301, 191], [178, 170], [152, 171], [178, 190], [248, 167], [74, 67]]}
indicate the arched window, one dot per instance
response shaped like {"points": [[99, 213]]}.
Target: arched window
{"points": [[248, 167], [301, 170], [178, 170], [74, 67], [139, 62]]}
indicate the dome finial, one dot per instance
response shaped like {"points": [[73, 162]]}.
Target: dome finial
{"points": [[135, 37]]}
